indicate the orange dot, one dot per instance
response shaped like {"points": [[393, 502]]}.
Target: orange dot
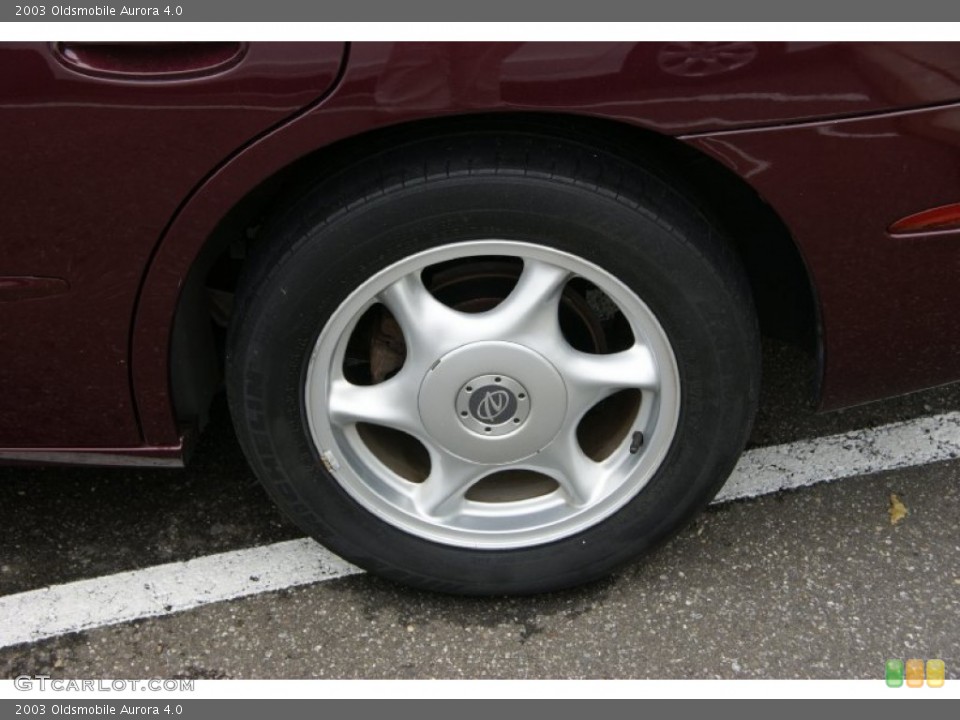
{"points": [[914, 673]]}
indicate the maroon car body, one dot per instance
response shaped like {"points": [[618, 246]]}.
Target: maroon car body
{"points": [[124, 166]]}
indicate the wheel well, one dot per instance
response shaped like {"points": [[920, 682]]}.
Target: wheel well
{"points": [[781, 286]]}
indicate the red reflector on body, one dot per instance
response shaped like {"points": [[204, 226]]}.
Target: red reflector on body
{"points": [[945, 217]]}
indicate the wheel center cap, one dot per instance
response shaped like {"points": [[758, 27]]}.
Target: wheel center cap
{"points": [[493, 405], [493, 402]]}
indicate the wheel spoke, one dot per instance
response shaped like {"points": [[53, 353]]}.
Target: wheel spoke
{"points": [[533, 304], [443, 493], [579, 477], [590, 378], [422, 318], [391, 403]]}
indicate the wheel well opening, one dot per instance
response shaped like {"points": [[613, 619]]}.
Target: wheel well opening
{"points": [[782, 291]]}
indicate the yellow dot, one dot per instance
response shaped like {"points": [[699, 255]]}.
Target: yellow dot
{"points": [[936, 672]]}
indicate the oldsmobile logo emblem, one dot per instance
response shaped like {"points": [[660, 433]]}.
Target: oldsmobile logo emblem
{"points": [[493, 404]]}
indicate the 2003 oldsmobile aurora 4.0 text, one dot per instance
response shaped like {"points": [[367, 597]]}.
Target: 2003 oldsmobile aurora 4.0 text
{"points": [[488, 315]]}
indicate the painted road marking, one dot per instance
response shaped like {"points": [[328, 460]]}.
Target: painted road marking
{"points": [[165, 589], [861, 452]]}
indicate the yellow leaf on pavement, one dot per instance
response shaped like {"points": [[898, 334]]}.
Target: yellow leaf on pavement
{"points": [[898, 511]]}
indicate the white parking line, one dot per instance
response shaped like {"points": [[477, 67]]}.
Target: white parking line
{"points": [[861, 452], [166, 589]]}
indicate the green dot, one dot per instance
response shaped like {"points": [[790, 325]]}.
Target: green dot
{"points": [[894, 673]]}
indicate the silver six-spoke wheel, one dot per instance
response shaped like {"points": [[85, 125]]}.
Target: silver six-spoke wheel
{"points": [[492, 408]]}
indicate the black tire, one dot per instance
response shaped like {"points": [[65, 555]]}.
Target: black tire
{"points": [[552, 192]]}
